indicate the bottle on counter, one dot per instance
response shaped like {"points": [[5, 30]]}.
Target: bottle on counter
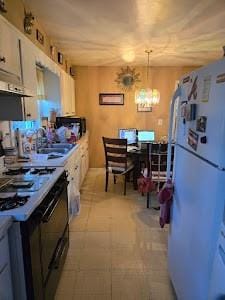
{"points": [[19, 143]]}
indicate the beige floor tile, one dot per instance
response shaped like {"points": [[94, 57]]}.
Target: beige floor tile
{"points": [[126, 259], [97, 240], [93, 282], [95, 259], [159, 246], [159, 235], [96, 223], [100, 212], [154, 260], [67, 282], [122, 239], [159, 291], [77, 240], [72, 260], [158, 276], [64, 296], [123, 225], [92, 297], [78, 224], [130, 285]]}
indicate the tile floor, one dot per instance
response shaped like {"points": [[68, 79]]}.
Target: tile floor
{"points": [[117, 250]]}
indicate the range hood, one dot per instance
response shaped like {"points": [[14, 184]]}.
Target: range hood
{"points": [[10, 85]]}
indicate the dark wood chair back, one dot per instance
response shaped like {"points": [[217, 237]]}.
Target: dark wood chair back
{"points": [[115, 153]]}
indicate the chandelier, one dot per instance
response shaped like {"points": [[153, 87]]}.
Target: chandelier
{"points": [[147, 96]]}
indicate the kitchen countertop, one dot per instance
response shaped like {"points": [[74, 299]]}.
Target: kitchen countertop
{"points": [[41, 160], [5, 223], [22, 213]]}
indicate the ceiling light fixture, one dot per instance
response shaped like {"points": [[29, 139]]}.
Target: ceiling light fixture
{"points": [[147, 96]]}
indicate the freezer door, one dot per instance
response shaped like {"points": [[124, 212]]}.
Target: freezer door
{"points": [[210, 104], [195, 219]]}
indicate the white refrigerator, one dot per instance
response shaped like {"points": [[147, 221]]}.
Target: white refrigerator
{"points": [[196, 244]]}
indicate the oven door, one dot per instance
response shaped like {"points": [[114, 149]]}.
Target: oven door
{"points": [[53, 227]]}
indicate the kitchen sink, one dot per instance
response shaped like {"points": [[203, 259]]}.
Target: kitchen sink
{"points": [[53, 150], [61, 148], [62, 145]]}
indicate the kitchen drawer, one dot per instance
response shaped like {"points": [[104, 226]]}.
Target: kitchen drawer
{"points": [[6, 292], [4, 250]]}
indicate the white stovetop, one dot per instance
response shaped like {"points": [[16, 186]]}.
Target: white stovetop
{"points": [[22, 213]]}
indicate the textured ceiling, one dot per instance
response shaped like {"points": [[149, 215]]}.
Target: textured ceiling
{"points": [[107, 32]]}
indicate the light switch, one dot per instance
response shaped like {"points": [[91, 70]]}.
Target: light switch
{"points": [[160, 122]]}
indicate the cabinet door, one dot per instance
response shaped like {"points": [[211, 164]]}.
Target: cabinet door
{"points": [[86, 161], [5, 281], [9, 50], [29, 77], [73, 110], [77, 175], [65, 101]]}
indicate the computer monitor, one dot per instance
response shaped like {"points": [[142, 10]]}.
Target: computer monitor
{"points": [[145, 136], [130, 134]]}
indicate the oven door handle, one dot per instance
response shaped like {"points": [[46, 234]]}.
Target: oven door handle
{"points": [[58, 253], [52, 205]]}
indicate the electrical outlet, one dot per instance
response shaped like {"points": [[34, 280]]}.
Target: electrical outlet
{"points": [[160, 122]]}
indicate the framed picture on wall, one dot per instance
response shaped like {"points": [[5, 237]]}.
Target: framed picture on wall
{"points": [[40, 37], [111, 99], [144, 108], [60, 58]]}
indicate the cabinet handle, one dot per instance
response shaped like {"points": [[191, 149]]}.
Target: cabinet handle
{"points": [[2, 59], [28, 115]]}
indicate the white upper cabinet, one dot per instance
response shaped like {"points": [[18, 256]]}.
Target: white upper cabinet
{"points": [[9, 50], [73, 110], [28, 66], [67, 88], [29, 79]]}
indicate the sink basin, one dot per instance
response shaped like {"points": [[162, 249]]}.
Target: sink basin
{"points": [[62, 145], [53, 150], [61, 148]]}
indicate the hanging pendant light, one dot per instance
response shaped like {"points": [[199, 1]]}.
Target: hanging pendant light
{"points": [[147, 96]]}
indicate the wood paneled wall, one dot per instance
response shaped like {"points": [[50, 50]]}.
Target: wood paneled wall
{"points": [[106, 120]]}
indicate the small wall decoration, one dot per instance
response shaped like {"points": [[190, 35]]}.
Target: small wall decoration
{"points": [[72, 71], [52, 52], [60, 58], [2, 6], [28, 22], [127, 78], [66, 66], [40, 37], [144, 107], [111, 99]]}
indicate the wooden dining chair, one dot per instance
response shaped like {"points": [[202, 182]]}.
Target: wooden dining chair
{"points": [[117, 162]]}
